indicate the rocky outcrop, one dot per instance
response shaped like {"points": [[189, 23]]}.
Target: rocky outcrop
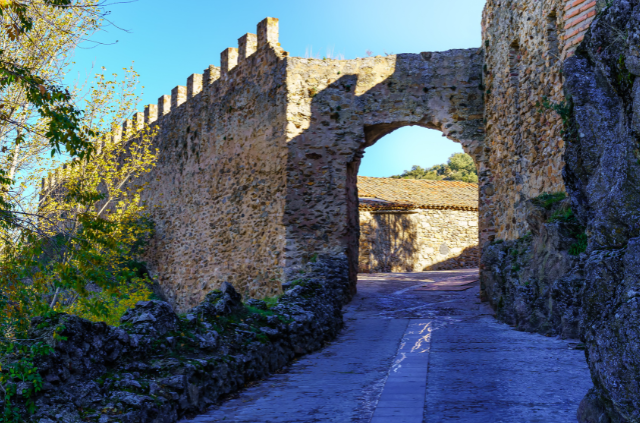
{"points": [[157, 366], [531, 282], [601, 174]]}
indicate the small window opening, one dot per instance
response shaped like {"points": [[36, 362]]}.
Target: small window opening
{"points": [[515, 57], [514, 64], [552, 39]]}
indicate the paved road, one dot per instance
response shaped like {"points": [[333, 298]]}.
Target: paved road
{"points": [[420, 348]]}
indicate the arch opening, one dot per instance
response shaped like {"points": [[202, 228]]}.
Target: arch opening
{"points": [[374, 133], [335, 125], [421, 213]]}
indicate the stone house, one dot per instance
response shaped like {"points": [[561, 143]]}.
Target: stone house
{"points": [[414, 225]]}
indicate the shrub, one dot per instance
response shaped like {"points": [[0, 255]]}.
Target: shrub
{"points": [[547, 200]]}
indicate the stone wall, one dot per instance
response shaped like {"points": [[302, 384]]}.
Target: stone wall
{"points": [[416, 240], [217, 193], [525, 43], [158, 367], [531, 282]]}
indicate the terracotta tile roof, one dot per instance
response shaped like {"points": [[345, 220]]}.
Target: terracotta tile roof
{"points": [[375, 204], [395, 194]]}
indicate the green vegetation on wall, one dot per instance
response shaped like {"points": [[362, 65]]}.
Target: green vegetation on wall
{"points": [[562, 213]]}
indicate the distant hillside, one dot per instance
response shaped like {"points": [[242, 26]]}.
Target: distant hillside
{"points": [[460, 167]]}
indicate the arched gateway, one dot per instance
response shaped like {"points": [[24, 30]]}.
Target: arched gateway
{"points": [[258, 159], [357, 103]]}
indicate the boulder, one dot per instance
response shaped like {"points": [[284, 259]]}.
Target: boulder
{"points": [[154, 318], [222, 302]]}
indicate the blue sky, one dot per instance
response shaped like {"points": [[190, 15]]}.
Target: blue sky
{"points": [[169, 40]]}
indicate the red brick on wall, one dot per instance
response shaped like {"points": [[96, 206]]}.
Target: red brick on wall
{"points": [[578, 15]]}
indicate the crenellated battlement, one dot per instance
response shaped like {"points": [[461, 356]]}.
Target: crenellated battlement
{"points": [[267, 37], [228, 61], [51, 184], [247, 45]]}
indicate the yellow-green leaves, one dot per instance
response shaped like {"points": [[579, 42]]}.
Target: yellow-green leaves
{"points": [[83, 252], [94, 207]]}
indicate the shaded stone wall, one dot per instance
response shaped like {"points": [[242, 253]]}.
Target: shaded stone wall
{"points": [[540, 281], [523, 50], [525, 43], [530, 282], [417, 240]]}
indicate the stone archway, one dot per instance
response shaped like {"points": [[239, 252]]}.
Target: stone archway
{"points": [[396, 239], [354, 104]]}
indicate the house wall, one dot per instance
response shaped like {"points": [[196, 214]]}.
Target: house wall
{"points": [[418, 240]]}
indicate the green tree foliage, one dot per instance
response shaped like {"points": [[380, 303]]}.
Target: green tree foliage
{"points": [[38, 113], [80, 254], [460, 167], [73, 246]]}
